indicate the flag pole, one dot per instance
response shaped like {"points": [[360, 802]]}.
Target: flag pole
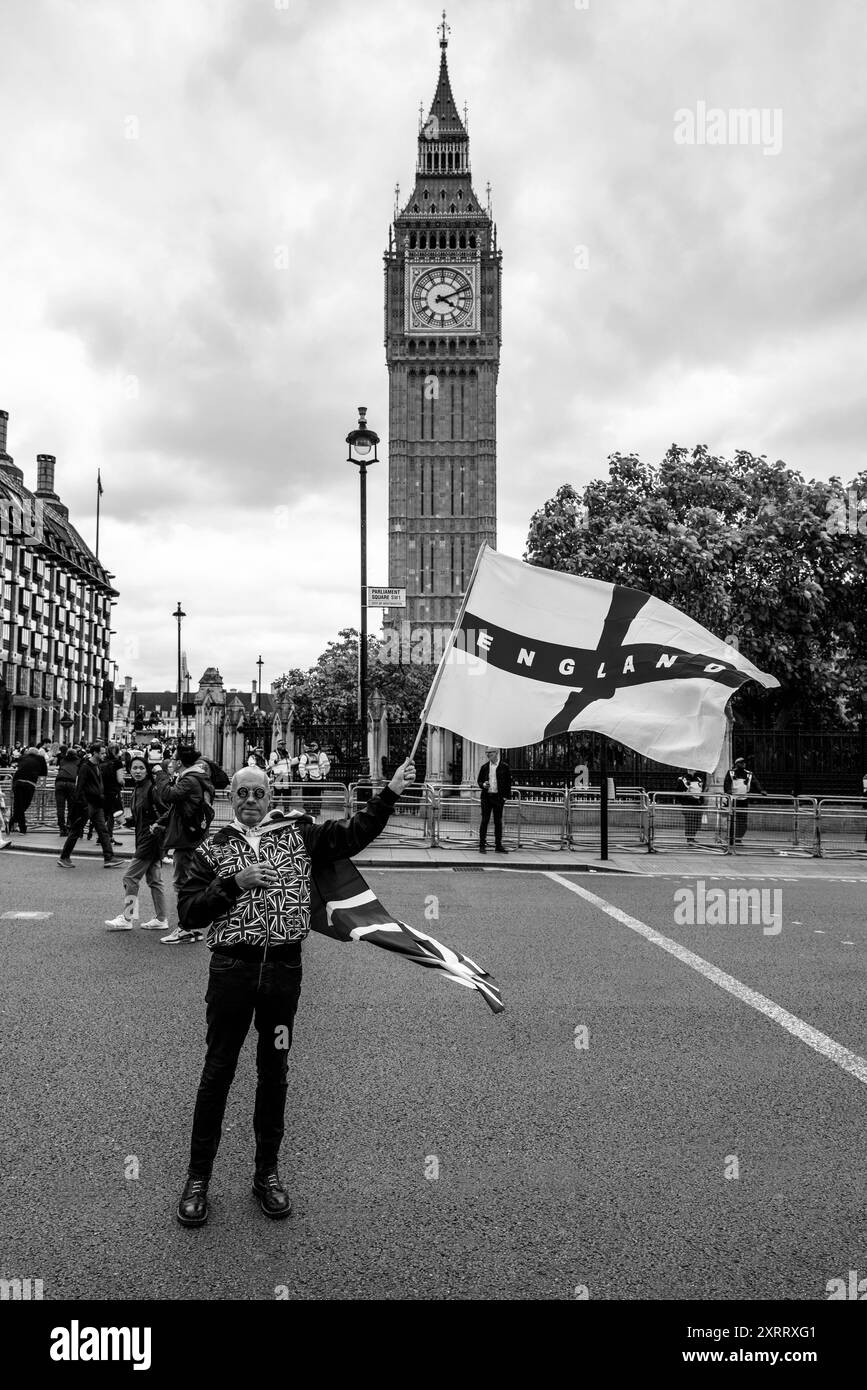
{"points": [[98, 495], [458, 620], [603, 797]]}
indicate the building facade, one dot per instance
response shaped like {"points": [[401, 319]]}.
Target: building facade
{"points": [[55, 666], [442, 341]]}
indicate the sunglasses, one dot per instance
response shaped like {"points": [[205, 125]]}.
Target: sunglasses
{"points": [[243, 792]]}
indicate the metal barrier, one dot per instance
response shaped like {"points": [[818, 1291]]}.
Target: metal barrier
{"points": [[671, 823], [459, 814], [727, 825], [412, 822], [780, 823], [628, 818], [542, 817], [841, 826]]}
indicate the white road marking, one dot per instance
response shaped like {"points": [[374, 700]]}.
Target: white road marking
{"points": [[835, 1052], [24, 916]]}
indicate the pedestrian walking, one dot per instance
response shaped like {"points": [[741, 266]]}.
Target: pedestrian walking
{"points": [[89, 804], [691, 786], [740, 783], [113, 778], [250, 885], [68, 763], [313, 769], [5, 839], [30, 767], [146, 808], [190, 802], [495, 780]]}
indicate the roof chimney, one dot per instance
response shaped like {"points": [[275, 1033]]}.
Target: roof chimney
{"points": [[45, 483], [45, 475], [6, 464]]}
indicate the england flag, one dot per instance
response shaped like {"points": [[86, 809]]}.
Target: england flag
{"points": [[537, 653]]}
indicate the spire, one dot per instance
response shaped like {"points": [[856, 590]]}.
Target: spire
{"points": [[444, 123]]}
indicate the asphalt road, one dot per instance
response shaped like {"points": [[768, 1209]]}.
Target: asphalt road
{"points": [[434, 1150]]}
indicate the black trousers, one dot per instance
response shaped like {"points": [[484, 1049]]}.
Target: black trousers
{"points": [[240, 992], [22, 795], [492, 805], [63, 793], [80, 817]]}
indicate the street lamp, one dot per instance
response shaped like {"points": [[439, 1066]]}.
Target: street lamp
{"points": [[360, 442], [260, 664], [179, 614]]}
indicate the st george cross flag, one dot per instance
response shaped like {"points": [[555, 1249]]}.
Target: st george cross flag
{"points": [[536, 653], [345, 908]]}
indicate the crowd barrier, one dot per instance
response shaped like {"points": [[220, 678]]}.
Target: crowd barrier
{"points": [[841, 826], [441, 814], [628, 819], [412, 820]]}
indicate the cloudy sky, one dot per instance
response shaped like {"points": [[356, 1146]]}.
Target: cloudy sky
{"points": [[196, 199]]}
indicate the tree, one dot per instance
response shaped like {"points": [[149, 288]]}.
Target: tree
{"points": [[747, 548], [328, 692]]}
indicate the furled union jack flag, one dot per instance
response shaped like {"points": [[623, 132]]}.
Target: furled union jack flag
{"points": [[345, 908]]}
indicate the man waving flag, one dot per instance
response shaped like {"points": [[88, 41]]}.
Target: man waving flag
{"points": [[536, 653]]}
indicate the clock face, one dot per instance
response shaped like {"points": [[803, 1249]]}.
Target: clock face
{"points": [[442, 297]]}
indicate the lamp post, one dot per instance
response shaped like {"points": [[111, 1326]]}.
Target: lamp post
{"points": [[360, 442], [179, 614], [260, 664], [377, 709]]}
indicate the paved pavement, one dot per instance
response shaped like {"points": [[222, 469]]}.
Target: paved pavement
{"points": [[690, 1144], [664, 862]]}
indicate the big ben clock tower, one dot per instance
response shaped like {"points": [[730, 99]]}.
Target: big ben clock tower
{"points": [[442, 340]]}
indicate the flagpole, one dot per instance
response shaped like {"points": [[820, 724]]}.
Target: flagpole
{"points": [[98, 495], [458, 620]]}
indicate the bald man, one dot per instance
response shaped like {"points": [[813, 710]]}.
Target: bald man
{"points": [[249, 885]]}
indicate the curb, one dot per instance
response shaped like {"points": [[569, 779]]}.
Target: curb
{"points": [[466, 865]]}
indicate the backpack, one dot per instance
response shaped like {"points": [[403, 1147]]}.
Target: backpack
{"points": [[219, 778]]}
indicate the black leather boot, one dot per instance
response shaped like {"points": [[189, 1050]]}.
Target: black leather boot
{"points": [[193, 1207], [273, 1197]]}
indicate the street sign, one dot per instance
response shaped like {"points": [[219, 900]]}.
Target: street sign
{"points": [[386, 598]]}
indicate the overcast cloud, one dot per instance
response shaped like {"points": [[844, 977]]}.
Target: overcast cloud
{"points": [[196, 200]]}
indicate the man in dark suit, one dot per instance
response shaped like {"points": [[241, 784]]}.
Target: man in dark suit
{"points": [[495, 780]]}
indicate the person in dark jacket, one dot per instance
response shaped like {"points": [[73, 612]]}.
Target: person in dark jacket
{"points": [[190, 800], [113, 778], [30, 767], [691, 786], [249, 884], [740, 783], [146, 807], [88, 805], [495, 780], [68, 763]]}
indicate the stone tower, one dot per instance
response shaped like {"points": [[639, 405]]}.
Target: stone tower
{"points": [[442, 341]]}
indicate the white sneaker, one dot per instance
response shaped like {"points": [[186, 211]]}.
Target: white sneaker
{"points": [[179, 937], [156, 924], [119, 924]]}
